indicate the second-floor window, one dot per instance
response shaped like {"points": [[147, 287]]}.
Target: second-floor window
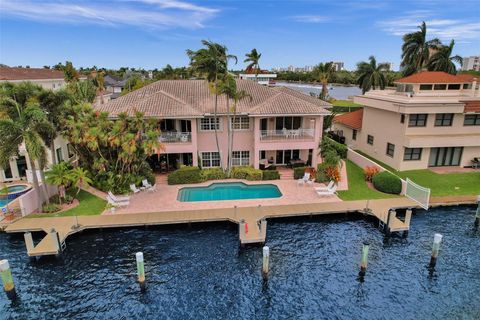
{"points": [[370, 139], [417, 120], [240, 158], [443, 119], [240, 123], [472, 120], [210, 159], [209, 124], [354, 134]]}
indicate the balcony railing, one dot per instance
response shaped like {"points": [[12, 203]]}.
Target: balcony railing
{"points": [[175, 137], [287, 134]]}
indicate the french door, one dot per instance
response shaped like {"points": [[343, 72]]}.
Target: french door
{"points": [[443, 157]]}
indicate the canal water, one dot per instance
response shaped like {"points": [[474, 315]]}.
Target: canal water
{"points": [[337, 91], [199, 272]]}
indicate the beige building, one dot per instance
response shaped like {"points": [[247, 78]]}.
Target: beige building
{"points": [[432, 119]]}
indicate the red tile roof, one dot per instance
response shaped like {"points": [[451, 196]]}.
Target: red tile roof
{"points": [[472, 106], [435, 77], [351, 119], [29, 74]]}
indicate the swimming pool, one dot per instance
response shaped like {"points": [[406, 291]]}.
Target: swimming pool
{"points": [[14, 191], [228, 191]]}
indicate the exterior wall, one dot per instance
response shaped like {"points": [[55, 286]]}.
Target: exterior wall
{"points": [[52, 84]]}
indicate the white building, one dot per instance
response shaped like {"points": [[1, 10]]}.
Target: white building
{"points": [[261, 78], [339, 66], [471, 63]]}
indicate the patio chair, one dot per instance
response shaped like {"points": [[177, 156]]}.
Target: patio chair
{"points": [[134, 188], [306, 178], [118, 198], [476, 163], [146, 184], [152, 188], [115, 202], [327, 193], [328, 187]]}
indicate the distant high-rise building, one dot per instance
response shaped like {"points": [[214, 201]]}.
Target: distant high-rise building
{"points": [[471, 63], [339, 66], [291, 68], [390, 65]]}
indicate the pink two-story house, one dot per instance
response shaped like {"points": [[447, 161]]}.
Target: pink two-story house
{"points": [[274, 125]]}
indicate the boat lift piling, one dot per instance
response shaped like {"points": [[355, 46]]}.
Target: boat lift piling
{"points": [[437, 239]]}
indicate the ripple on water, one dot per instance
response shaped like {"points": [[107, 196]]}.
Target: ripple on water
{"points": [[200, 272]]}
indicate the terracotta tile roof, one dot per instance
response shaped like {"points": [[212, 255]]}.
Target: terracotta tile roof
{"points": [[29, 74], [467, 77], [193, 98], [435, 77], [472, 106], [351, 119]]}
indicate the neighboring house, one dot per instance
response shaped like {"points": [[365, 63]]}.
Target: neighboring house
{"points": [[471, 63], [432, 119], [263, 77], [114, 85], [277, 125], [48, 79]]}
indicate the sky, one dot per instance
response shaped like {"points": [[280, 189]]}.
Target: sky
{"points": [[152, 33]]}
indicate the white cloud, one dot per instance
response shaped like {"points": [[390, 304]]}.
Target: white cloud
{"points": [[444, 29], [310, 18], [148, 13]]}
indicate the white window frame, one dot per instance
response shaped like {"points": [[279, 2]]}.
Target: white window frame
{"points": [[209, 157], [241, 158], [242, 123], [208, 124]]}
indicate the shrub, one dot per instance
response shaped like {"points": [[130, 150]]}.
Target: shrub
{"points": [[271, 175], [387, 182], [321, 176], [329, 145], [369, 172], [332, 173], [247, 172], [50, 208], [298, 172], [213, 174], [331, 158], [186, 175]]}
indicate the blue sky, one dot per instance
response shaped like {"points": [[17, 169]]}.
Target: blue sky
{"points": [[152, 33]]}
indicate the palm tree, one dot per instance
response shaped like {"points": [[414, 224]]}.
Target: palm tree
{"points": [[212, 62], [416, 50], [82, 91], [324, 72], [60, 176], [253, 59], [23, 124], [371, 75], [79, 178], [442, 60]]}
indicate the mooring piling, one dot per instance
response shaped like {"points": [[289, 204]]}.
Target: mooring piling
{"points": [[437, 239], [140, 270], [364, 261], [266, 258], [28, 241], [7, 279]]}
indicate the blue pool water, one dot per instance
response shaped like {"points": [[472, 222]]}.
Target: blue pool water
{"points": [[228, 191], [16, 188]]}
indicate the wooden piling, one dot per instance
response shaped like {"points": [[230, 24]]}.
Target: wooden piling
{"points": [[266, 260], [28, 241], [7, 280], [140, 270], [437, 239]]}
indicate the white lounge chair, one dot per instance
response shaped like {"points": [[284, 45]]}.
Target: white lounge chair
{"points": [[134, 188], [146, 184], [118, 198], [327, 188], [152, 188], [116, 203], [328, 193], [306, 178]]}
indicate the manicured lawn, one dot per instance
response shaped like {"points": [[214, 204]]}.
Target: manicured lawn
{"points": [[357, 187], [345, 103], [445, 184], [90, 205]]}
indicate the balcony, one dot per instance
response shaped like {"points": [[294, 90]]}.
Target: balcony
{"points": [[286, 134], [175, 137]]}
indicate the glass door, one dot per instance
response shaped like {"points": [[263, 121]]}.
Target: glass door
{"points": [[442, 157]]}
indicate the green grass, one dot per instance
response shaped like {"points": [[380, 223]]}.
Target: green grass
{"points": [[90, 205], [357, 187], [345, 103], [445, 184]]}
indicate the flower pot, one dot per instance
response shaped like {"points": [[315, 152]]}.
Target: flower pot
{"points": [[9, 216]]}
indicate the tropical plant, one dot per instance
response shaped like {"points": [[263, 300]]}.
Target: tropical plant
{"points": [[70, 74], [211, 62], [442, 59], [82, 91], [371, 75], [22, 121], [253, 58], [60, 175], [416, 50], [79, 178], [324, 73]]}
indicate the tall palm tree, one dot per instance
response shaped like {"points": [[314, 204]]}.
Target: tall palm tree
{"points": [[23, 124], [79, 178], [371, 75], [212, 62], [416, 50], [324, 72], [442, 60], [253, 59], [59, 175]]}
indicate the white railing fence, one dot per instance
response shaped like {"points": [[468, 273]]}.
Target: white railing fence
{"points": [[417, 193], [287, 134], [175, 137]]}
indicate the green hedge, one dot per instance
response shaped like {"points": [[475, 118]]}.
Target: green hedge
{"points": [[387, 182], [247, 172], [186, 175], [213, 174], [321, 177], [271, 175], [329, 144], [298, 172]]}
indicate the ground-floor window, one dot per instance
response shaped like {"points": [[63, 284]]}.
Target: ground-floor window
{"points": [[210, 159], [284, 156], [240, 158], [370, 139], [440, 157], [412, 154], [390, 149], [8, 172], [354, 134], [59, 155], [70, 150]]}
